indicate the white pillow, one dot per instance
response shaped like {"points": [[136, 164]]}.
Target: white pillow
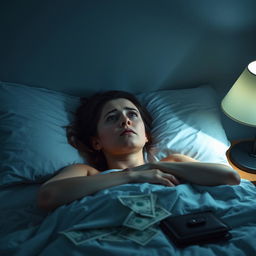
{"points": [[186, 121], [33, 138], [34, 145]]}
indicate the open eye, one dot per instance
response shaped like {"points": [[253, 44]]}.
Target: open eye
{"points": [[111, 118], [132, 114]]}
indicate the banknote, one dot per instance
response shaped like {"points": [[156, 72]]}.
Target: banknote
{"points": [[138, 236], [114, 236], [80, 237], [138, 222], [139, 226], [141, 204], [154, 196]]}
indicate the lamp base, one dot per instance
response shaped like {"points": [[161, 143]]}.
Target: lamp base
{"points": [[242, 155]]}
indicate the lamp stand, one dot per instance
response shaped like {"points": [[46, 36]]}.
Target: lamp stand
{"points": [[243, 155]]}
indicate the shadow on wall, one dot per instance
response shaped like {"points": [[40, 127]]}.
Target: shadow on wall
{"points": [[142, 45]]}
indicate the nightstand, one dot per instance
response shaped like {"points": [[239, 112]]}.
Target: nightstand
{"points": [[243, 174]]}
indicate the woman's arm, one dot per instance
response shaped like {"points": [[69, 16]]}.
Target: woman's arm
{"points": [[178, 158], [77, 181], [62, 191], [208, 174]]}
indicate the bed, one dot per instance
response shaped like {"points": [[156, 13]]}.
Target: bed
{"points": [[179, 59], [34, 147]]}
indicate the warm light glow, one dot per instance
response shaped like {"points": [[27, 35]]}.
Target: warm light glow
{"points": [[240, 102], [252, 67]]}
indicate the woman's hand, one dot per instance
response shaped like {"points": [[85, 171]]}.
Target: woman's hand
{"points": [[145, 173]]}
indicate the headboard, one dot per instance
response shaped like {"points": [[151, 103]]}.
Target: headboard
{"points": [[83, 46]]}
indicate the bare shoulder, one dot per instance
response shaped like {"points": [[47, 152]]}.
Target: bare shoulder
{"points": [[80, 170], [74, 170], [178, 158]]}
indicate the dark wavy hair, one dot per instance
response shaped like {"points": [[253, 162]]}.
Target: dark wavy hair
{"points": [[84, 126]]}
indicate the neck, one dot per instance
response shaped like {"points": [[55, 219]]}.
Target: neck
{"points": [[125, 161]]}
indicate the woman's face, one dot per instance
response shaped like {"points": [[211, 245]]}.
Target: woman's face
{"points": [[120, 128]]}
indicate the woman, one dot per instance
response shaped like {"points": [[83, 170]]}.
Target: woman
{"points": [[113, 130]]}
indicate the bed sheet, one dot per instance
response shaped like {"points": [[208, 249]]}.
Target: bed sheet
{"points": [[27, 231]]}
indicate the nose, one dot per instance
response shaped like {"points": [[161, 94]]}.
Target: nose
{"points": [[125, 121]]}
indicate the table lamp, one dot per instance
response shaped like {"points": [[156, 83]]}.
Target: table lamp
{"points": [[240, 105]]}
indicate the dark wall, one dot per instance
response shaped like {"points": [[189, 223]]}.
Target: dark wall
{"points": [[82, 46]]}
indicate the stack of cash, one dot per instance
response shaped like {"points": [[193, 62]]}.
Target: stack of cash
{"points": [[139, 225]]}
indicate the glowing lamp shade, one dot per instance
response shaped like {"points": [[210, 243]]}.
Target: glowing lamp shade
{"points": [[240, 105], [240, 102]]}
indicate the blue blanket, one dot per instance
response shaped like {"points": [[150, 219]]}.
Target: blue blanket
{"points": [[27, 231]]}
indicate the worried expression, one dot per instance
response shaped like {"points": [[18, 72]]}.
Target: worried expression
{"points": [[120, 128]]}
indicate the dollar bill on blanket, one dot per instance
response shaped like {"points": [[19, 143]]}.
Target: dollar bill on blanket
{"points": [[138, 226]]}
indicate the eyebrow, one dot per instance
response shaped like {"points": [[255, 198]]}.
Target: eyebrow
{"points": [[114, 110]]}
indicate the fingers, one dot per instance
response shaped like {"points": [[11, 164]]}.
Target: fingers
{"points": [[166, 179], [152, 176], [167, 183], [171, 178]]}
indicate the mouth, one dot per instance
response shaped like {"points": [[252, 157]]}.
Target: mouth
{"points": [[127, 131]]}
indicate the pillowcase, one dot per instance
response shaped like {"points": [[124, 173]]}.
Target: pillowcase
{"points": [[33, 140], [186, 121], [34, 145]]}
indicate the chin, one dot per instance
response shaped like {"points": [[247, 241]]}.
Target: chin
{"points": [[129, 149]]}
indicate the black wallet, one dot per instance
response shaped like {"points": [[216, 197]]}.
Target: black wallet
{"points": [[197, 228]]}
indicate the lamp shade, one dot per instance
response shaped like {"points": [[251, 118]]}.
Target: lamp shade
{"points": [[240, 102]]}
